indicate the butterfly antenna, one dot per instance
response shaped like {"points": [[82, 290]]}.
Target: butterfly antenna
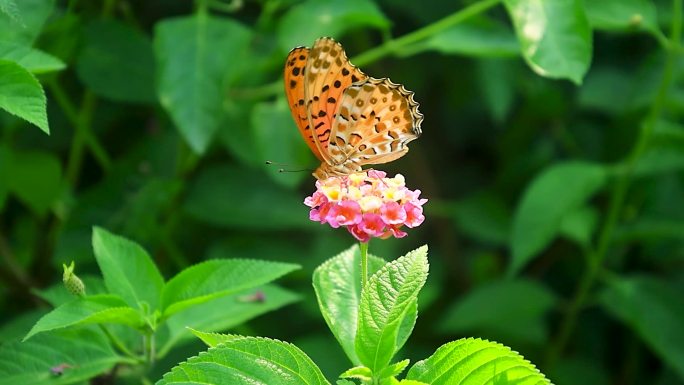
{"points": [[287, 165]]}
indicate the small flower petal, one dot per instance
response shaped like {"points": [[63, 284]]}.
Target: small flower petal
{"points": [[392, 213]]}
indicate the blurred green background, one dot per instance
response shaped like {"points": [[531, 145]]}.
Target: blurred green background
{"points": [[555, 221]]}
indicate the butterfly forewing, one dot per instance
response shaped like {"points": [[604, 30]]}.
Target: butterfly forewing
{"points": [[375, 122], [328, 73]]}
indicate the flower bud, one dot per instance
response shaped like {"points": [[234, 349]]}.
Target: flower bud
{"points": [[73, 284]]}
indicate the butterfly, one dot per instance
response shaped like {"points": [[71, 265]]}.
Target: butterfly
{"points": [[347, 118]]}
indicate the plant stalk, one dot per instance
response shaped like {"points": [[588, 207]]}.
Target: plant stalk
{"points": [[364, 263]]}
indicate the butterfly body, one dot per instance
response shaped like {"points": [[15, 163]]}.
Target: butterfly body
{"points": [[347, 118]]}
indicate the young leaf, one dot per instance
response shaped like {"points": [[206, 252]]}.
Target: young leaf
{"points": [[476, 362], [385, 301], [34, 60], [22, 95], [93, 309], [359, 372], [553, 194], [337, 284], [216, 278], [653, 308], [555, 37], [117, 62], [127, 269], [514, 310], [214, 339], [235, 363], [193, 68], [80, 353]]}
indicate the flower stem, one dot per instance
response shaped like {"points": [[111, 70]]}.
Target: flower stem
{"points": [[364, 263], [596, 257]]}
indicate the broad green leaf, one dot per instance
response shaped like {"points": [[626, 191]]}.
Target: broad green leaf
{"points": [[496, 79], [622, 14], [117, 62], [9, 8], [653, 308], [476, 362], [483, 216], [479, 38], [223, 313], [17, 327], [93, 309], [608, 89], [248, 361], [197, 57], [507, 309], [127, 269], [385, 301], [216, 278], [36, 179], [22, 95], [553, 194], [659, 160], [232, 196], [83, 354], [579, 225], [214, 339], [555, 37], [307, 21], [337, 284], [34, 60], [24, 22], [278, 140]]}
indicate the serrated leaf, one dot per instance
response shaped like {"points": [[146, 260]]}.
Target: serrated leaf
{"points": [[237, 197], [514, 310], [479, 38], [22, 95], [193, 69], [93, 309], [653, 308], [475, 362], [223, 313], [127, 269], [216, 278], [36, 179], [214, 339], [309, 20], [234, 363], [360, 372], [34, 60], [25, 22], [83, 354], [555, 37], [385, 300], [546, 201], [622, 14], [117, 62], [337, 284], [394, 369]]}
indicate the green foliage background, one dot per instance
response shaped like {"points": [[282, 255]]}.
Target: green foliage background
{"points": [[553, 165]]}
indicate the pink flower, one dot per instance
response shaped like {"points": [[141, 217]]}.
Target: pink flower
{"points": [[368, 204]]}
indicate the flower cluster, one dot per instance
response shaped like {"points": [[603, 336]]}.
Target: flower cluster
{"points": [[368, 204]]}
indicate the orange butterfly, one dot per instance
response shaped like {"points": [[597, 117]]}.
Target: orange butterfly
{"points": [[347, 118]]}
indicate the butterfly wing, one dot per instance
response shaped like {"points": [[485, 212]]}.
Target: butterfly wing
{"points": [[375, 122], [328, 73]]}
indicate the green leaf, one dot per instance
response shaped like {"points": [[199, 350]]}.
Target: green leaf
{"points": [[307, 21], [34, 60], [479, 38], [36, 179], [649, 229], [278, 139], [359, 372], [555, 37], [553, 194], [653, 308], [579, 225], [394, 369], [622, 14], [95, 309], [483, 216], [224, 313], [216, 278], [476, 362], [214, 339], [235, 362], [496, 79], [23, 23], [117, 62], [233, 196], [127, 269], [514, 310], [83, 354], [22, 95], [57, 294], [197, 57], [385, 300], [337, 284]]}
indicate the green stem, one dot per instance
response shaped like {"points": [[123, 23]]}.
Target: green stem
{"points": [[148, 346], [617, 197], [119, 344], [364, 263]]}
